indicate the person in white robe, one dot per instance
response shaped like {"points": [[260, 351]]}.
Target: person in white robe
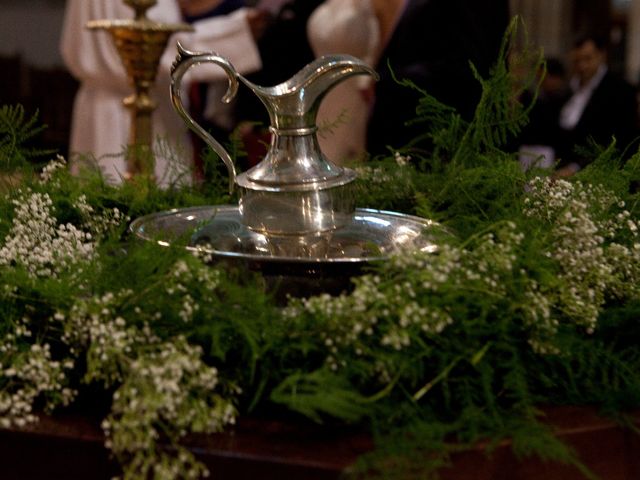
{"points": [[100, 123], [345, 27]]}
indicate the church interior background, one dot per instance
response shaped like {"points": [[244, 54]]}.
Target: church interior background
{"points": [[34, 74]]}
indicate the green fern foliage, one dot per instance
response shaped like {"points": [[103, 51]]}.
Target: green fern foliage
{"points": [[531, 299], [16, 129]]}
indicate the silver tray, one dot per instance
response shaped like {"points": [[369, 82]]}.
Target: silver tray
{"points": [[291, 266], [371, 235]]}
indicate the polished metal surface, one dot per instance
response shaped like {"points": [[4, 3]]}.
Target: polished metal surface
{"points": [[368, 236], [297, 213], [140, 42], [140, 7], [295, 189], [296, 221]]}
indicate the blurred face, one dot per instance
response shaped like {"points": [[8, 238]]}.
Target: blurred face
{"points": [[553, 84], [195, 7], [587, 58]]}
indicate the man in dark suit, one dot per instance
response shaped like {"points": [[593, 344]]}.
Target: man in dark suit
{"points": [[432, 45], [601, 106]]}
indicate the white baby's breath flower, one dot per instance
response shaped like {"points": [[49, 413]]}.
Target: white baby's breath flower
{"points": [[585, 219], [48, 172], [401, 160], [34, 375], [168, 386], [38, 244]]}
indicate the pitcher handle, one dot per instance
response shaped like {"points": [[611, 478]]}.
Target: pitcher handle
{"points": [[183, 62]]}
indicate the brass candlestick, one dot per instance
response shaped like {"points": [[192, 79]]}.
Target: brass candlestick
{"points": [[140, 43]]}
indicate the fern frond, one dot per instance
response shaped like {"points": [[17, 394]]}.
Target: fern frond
{"points": [[320, 393], [499, 115], [16, 128]]}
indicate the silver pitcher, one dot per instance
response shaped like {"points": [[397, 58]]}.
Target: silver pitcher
{"points": [[295, 189]]}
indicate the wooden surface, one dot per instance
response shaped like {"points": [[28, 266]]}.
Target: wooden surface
{"points": [[608, 450], [70, 447]]}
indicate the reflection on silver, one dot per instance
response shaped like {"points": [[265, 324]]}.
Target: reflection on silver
{"points": [[379, 221], [370, 235], [295, 189], [429, 249], [296, 219]]}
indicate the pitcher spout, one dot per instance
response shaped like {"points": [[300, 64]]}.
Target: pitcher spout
{"points": [[294, 104]]}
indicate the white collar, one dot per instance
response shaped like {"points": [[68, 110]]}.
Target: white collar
{"points": [[591, 84]]}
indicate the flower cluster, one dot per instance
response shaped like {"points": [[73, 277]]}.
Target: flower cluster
{"points": [[401, 160], [381, 176], [167, 391], [194, 273], [37, 243], [49, 171], [409, 302], [625, 263], [546, 198], [95, 326], [537, 315], [586, 223], [99, 224], [397, 173], [28, 373]]}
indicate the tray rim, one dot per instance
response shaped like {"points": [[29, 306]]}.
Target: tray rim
{"points": [[135, 225]]}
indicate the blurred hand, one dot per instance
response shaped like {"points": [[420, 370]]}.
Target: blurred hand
{"points": [[258, 21], [566, 172], [197, 7], [368, 93]]}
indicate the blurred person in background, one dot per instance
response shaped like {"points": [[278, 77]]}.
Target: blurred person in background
{"points": [[539, 138], [194, 10], [431, 43], [601, 106], [345, 27], [284, 49], [100, 123], [205, 105]]}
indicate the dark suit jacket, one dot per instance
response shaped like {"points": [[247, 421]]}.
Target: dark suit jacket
{"points": [[432, 45], [611, 112]]}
